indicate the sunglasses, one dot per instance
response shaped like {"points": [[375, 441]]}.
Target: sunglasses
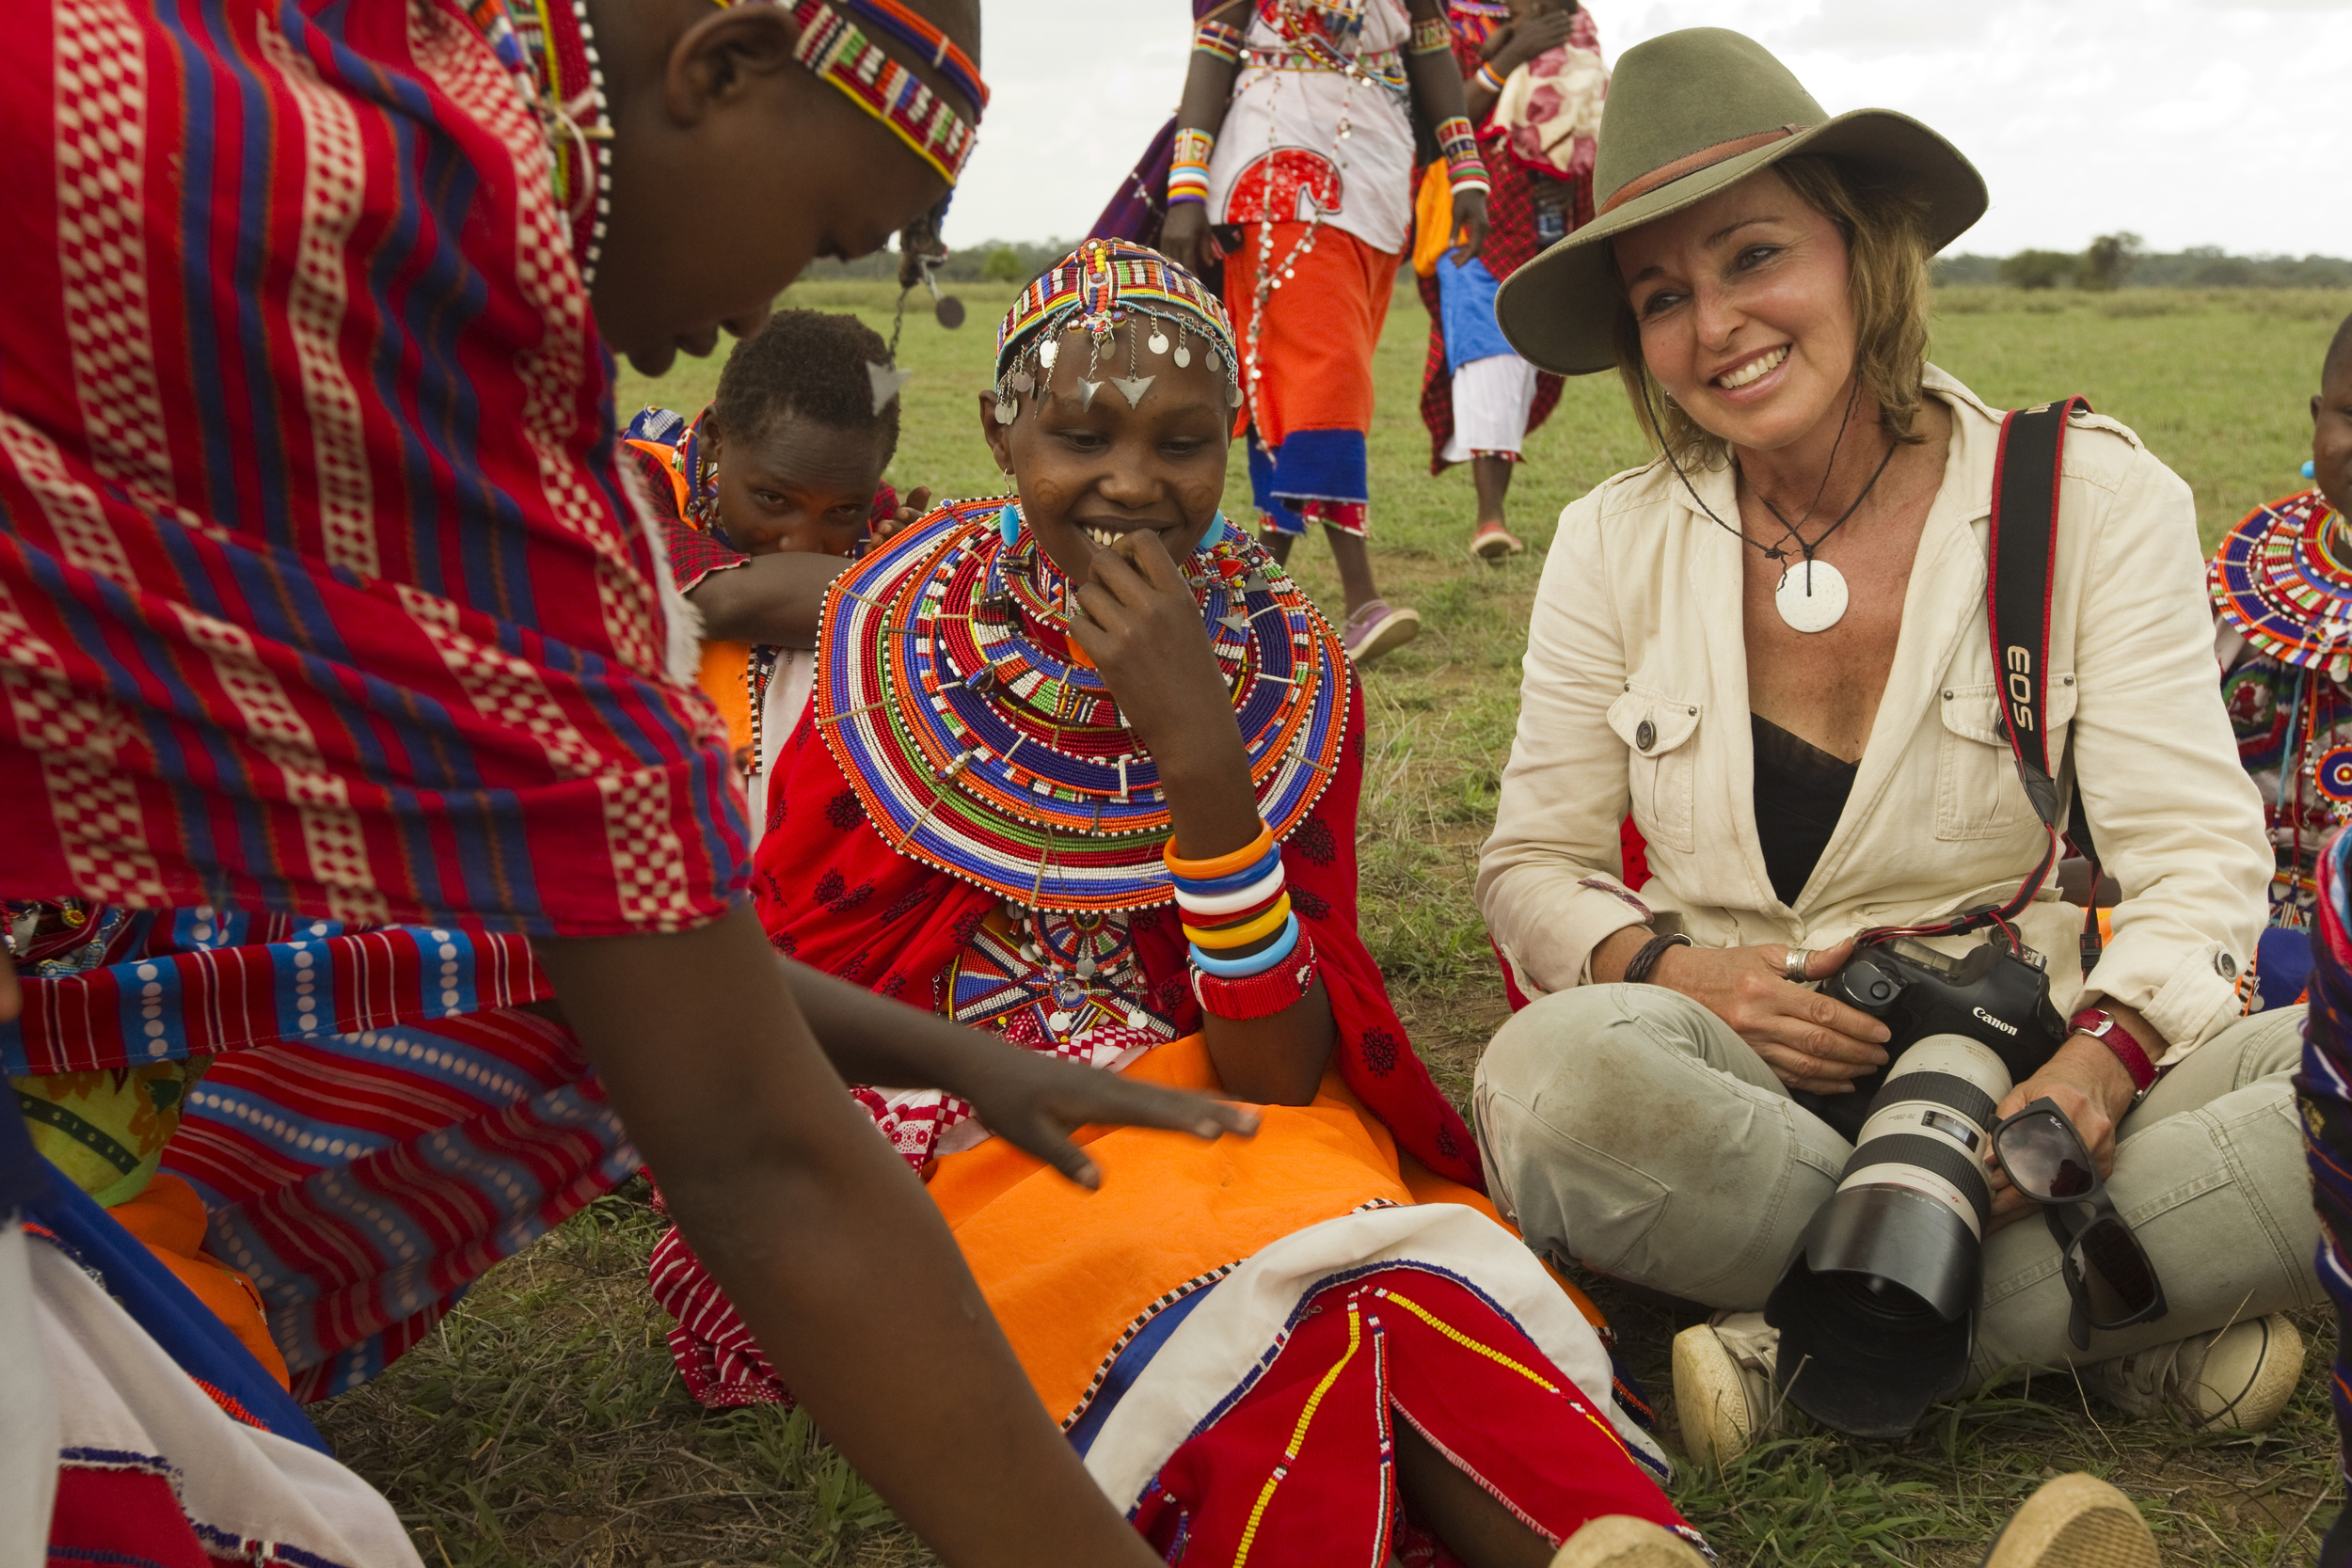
{"points": [[2108, 1274]]}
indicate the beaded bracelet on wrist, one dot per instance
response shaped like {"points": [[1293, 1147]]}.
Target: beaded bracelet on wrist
{"points": [[1260, 995], [1218, 39]]}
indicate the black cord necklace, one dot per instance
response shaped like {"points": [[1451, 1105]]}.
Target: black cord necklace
{"points": [[1813, 600]]}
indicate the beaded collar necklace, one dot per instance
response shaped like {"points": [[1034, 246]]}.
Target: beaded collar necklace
{"points": [[555, 70], [945, 690]]}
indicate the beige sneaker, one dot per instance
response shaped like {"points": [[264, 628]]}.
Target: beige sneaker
{"points": [[2240, 1376], [2075, 1521], [1621, 1540], [1723, 1393]]}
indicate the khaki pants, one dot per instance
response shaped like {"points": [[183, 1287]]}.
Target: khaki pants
{"points": [[1628, 1127]]}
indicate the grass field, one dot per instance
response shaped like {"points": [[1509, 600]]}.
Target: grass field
{"points": [[544, 1424]]}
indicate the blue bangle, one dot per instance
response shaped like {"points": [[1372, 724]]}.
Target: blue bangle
{"points": [[1255, 963], [1209, 887]]}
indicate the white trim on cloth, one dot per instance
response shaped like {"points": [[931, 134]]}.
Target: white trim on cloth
{"points": [[1232, 1336], [123, 1403], [1492, 398], [28, 1437], [789, 687]]}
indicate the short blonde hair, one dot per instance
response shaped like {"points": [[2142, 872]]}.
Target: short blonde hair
{"points": [[1887, 280]]}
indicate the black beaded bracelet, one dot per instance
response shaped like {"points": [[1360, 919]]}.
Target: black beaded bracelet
{"points": [[1637, 969]]}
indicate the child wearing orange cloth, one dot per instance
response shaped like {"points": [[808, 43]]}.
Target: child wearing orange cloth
{"points": [[787, 460], [1081, 767], [1294, 162]]}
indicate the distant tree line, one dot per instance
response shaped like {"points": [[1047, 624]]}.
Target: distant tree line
{"points": [[1001, 261], [2117, 261], [2110, 262]]}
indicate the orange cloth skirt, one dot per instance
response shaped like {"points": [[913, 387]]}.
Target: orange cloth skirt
{"points": [[1070, 1272]]}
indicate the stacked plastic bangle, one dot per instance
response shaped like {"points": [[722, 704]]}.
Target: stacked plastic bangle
{"points": [[1219, 39], [1228, 903], [1489, 78], [1465, 170], [1188, 174]]}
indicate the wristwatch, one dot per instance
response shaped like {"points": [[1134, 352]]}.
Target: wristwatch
{"points": [[2107, 1029]]}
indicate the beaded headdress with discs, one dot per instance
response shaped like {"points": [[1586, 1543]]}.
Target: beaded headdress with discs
{"points": [[1097, 288]]}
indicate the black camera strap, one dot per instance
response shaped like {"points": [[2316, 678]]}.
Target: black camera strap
{"points": [[2023, 560]]}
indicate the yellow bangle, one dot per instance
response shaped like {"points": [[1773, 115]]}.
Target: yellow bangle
{"points": [[1242, 858], [1217, 936]]}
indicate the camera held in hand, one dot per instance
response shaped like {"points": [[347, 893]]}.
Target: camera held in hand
{"points": [[1994, 994]]}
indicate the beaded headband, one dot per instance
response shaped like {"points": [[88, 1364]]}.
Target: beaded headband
{"points": [[831, 46], [1098, 286]]}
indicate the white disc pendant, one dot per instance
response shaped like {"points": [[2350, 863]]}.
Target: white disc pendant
{"points": [[1811, 595]]}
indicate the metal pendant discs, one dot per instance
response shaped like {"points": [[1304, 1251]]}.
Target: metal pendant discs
{"points": [[1811, 595]]}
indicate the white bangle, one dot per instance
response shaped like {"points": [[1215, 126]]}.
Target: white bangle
{"points": [[1258, 891]]}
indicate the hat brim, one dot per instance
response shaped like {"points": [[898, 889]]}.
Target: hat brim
{"points": [[1560, 309]]}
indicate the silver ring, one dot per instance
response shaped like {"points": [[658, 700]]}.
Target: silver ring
{"points": [[1796, 963]]}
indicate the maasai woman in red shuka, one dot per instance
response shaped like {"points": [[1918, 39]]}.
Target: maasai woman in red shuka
{"points": [[988, 810]]}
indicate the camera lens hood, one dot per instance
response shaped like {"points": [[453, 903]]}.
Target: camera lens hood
{"points": [[1877, 1307]]}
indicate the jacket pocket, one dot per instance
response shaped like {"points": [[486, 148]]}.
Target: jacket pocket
{"points": [[1662, 764], [1977, 792]]}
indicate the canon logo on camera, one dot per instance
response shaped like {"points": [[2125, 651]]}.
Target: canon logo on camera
{"points": [[2002, 1024]]}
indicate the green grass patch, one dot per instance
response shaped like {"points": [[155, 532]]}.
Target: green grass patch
{"points": [[544, 1425]]}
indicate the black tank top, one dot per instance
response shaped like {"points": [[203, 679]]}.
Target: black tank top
{"points": [[1801, 791]]}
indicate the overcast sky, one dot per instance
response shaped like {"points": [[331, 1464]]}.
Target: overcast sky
{"points": [[2226, 122]]}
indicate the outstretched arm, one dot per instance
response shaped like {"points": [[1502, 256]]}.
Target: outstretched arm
{"points": [[1032, 1100], [827, 1245]]}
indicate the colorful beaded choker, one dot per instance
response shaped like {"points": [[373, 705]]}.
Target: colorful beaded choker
{"points": [[1097, 287], [947, 693], [832, 47], [2283, 579]]}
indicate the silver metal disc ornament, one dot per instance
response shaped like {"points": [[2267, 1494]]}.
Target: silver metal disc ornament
{"points": [[1811, 595]]}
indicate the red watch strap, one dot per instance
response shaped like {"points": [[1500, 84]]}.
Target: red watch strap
{"points": [[2105, 1027]]}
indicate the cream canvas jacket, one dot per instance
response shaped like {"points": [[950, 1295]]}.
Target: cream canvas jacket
{"points": [[1636, 696]]}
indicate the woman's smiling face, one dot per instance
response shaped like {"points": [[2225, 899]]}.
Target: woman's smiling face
{"points": [[1090, 470], [1744, 311]]}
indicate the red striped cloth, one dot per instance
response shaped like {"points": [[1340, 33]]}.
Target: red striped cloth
{"points": [[321, 587]]}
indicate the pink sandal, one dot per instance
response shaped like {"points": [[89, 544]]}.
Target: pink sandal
{"points": [[1376, 628], [1493, 542]]}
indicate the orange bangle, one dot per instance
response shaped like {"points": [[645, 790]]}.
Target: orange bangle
{"points": [[1216, 937], [1242, 858]]}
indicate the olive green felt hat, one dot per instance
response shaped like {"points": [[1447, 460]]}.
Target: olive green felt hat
{"points": [[1689, 113]]}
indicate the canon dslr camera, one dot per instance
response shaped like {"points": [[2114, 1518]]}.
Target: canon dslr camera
{"points": [[1991, 994]]}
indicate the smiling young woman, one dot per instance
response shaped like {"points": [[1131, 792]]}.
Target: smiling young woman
{"points": [[1770, 646]]}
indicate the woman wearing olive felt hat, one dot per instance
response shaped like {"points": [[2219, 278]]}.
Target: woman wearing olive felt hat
{"points": [[1770, 646]]}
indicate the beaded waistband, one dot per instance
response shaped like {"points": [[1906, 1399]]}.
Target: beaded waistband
{"points": [[1384, 66]]}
